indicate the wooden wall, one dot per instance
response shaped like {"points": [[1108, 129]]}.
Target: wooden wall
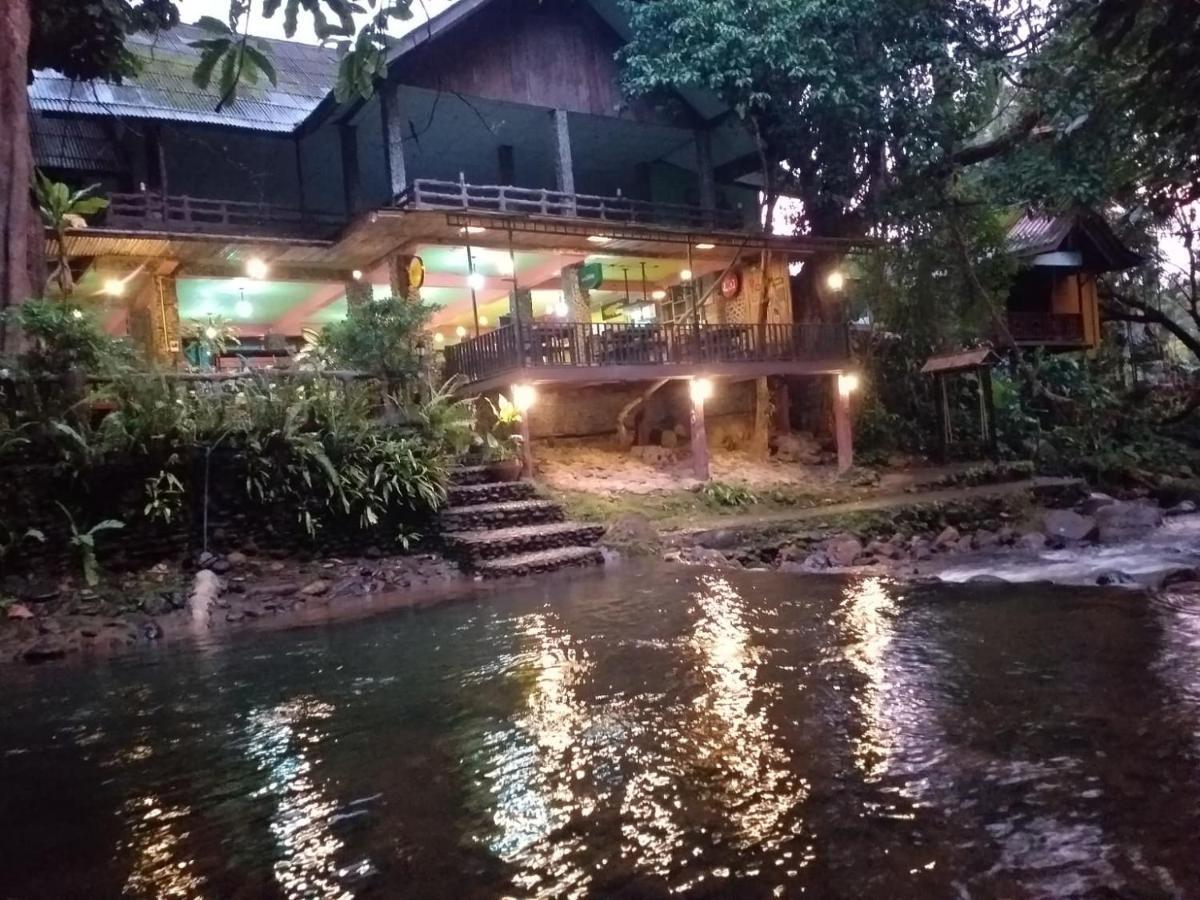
{"points": [[554, 54]]}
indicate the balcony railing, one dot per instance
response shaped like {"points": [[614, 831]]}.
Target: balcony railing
{"points": [[458, 195], [1063, 329], [178, 213], [593, 345]]}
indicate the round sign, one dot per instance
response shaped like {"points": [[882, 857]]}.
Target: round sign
{"points": [[416, 273], [731, 285]]}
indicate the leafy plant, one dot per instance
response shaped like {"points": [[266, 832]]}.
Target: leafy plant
{"points": [[61, 336], [9, 541], [60, 209], [240, 59], [718, 493], [211, 336], [448, 421], [503, 440], [384, 337], [84, 543], [164, 497]]}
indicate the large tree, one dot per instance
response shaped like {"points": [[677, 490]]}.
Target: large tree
{"points": [[86, 39]]}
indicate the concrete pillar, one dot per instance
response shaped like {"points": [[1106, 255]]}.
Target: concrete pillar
{"points": [[708, 177], [163, 343], [842, 426], [699, 436], [520, 306], [394, 128], [358, 292], [564, 167]]}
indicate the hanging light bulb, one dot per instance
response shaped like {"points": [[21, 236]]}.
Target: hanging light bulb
{"points": [[439, 338], [476, 281], [561, 309], [685, 275], [504, 265], [257, 268], [836, 280], [483, 321], [461, 331]]}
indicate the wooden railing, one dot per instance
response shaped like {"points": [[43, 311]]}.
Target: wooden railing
{"points": [[589, 344], [177, 213], [429, 194], [1046, 328]]}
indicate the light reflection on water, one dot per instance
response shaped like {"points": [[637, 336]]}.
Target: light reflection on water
{"points": [[645, 733]]}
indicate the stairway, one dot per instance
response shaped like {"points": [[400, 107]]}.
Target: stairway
{"points": [[499, 529]]}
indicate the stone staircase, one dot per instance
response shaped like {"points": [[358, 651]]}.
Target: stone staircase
{"points": [[499, 529]]}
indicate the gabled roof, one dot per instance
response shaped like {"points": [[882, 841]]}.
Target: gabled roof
{"points": [[1034, 234], [81, 145], [164, 89]]}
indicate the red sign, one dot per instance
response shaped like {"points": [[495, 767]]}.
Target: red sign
{"points": [[731, 285]]}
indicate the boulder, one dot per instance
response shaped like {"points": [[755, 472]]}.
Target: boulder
{"points": [[1032, 541], [669, 439], [315, 588], [1127, 521], [654, 456], [20, 611], [843, 551], [45, 648], [798, 447], [713, 558], [237, 558], [1095, 501], [1067, 525], [883, 549], [984, 540], [1114, 577], [947, 539]]}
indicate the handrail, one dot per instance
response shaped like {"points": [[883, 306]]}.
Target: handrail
{"points": [[184, 213], [425, 193], [1048, 328], [592, 344]]}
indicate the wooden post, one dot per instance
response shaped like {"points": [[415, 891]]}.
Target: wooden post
{"points": [[944, 437], [393, 132], [699, 438], [843, 429]]}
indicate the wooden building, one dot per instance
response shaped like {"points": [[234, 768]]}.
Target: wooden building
{"points": [[566, 235]]}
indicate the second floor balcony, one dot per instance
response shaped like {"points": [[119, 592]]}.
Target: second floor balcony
{"points": [[595, 352], [152, 211]]}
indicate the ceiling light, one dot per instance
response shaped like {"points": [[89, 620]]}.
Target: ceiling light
{"points": [[439, 338], [598, 238], [476, 282], [77, 314], [504, 265], [561, 309], [836, 280], [472, 229], [211, 333], [483, 320], [114, 287], [244, 309], [356, 274], [461, 331], [686, 275], [659, 295], [257, 269], [706, 246]]}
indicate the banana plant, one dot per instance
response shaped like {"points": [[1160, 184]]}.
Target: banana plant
{"points": [[84, 543], [61, 208]]}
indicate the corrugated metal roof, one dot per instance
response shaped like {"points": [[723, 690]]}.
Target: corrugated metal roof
{"points": [[164, 89], [77, 144], [1033, 233], [962, 361]]}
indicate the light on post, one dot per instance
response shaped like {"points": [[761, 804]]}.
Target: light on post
{"points": [[114, 287], [257, 269], [685, 275], [461, 331], [476, 281], [701, 389], [524, 396], [847, 383], [836, 281]]}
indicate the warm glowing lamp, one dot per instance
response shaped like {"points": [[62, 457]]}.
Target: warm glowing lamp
{"points": [[848, 383], [706, 246], [476, 281], [114, 287], [701, 389], [836, 280], [461, 331], [483, 321], [686, 275], [524, 396], [439, 338], [257, 269]]}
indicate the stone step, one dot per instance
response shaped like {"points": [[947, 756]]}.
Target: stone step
{"points": [[500, 515], [464, 475], [490, 544], [540, 561], [494, 492]]}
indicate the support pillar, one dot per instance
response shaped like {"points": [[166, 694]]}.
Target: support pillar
{"points": [[564, 167], [162, 337], [575, 294], [393, 131], [708, 177], [526, 440], [699, 437], [842, 426]]}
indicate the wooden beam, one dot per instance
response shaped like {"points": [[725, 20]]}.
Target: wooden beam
{"points": [[564, 166]]}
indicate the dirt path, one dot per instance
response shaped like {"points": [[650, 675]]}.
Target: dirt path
{"points": [[887, 501]]}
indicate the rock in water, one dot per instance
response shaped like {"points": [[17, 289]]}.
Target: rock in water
{"points": [[1068, 526], [843, 551], [206, 588], [1096, 501], [1127, 521], [947, 539], [1182, 508], [1033, 541]]}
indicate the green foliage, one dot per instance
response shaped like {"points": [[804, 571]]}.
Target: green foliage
{"points": [[502, 440], [63, 337], [383, 337], [211, 336], [10, 541], [164, 497], [84, 544], [445, 418], [239, 59], [718, 493]]}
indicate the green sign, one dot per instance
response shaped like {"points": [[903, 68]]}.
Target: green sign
{"points": [[591, 276]]}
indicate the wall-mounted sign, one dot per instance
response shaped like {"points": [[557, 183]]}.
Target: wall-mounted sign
{"points": [[731, 284], [591, 276], [416, 273], [610, 311]]}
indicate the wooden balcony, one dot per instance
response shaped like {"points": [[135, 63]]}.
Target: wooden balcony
{"points": [[591, 352], [505, 199], [1046, 329], [150, 211]]}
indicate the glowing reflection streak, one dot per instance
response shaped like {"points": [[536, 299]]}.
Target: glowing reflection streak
{"points": [[535, 766], [159, 869], [280, 744], [869, 616]]}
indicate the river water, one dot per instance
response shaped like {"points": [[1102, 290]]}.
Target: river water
{"points": [[645, 732]]}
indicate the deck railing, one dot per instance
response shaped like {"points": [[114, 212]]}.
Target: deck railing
{"points": [[589, 344], [1046, 328], [179, 213], [425, 193]]}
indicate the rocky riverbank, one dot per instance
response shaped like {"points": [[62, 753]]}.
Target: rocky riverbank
{"points": [[1081, 544], [48, 620]]}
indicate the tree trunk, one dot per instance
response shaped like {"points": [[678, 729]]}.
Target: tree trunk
{"points": [[16, 165]]}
